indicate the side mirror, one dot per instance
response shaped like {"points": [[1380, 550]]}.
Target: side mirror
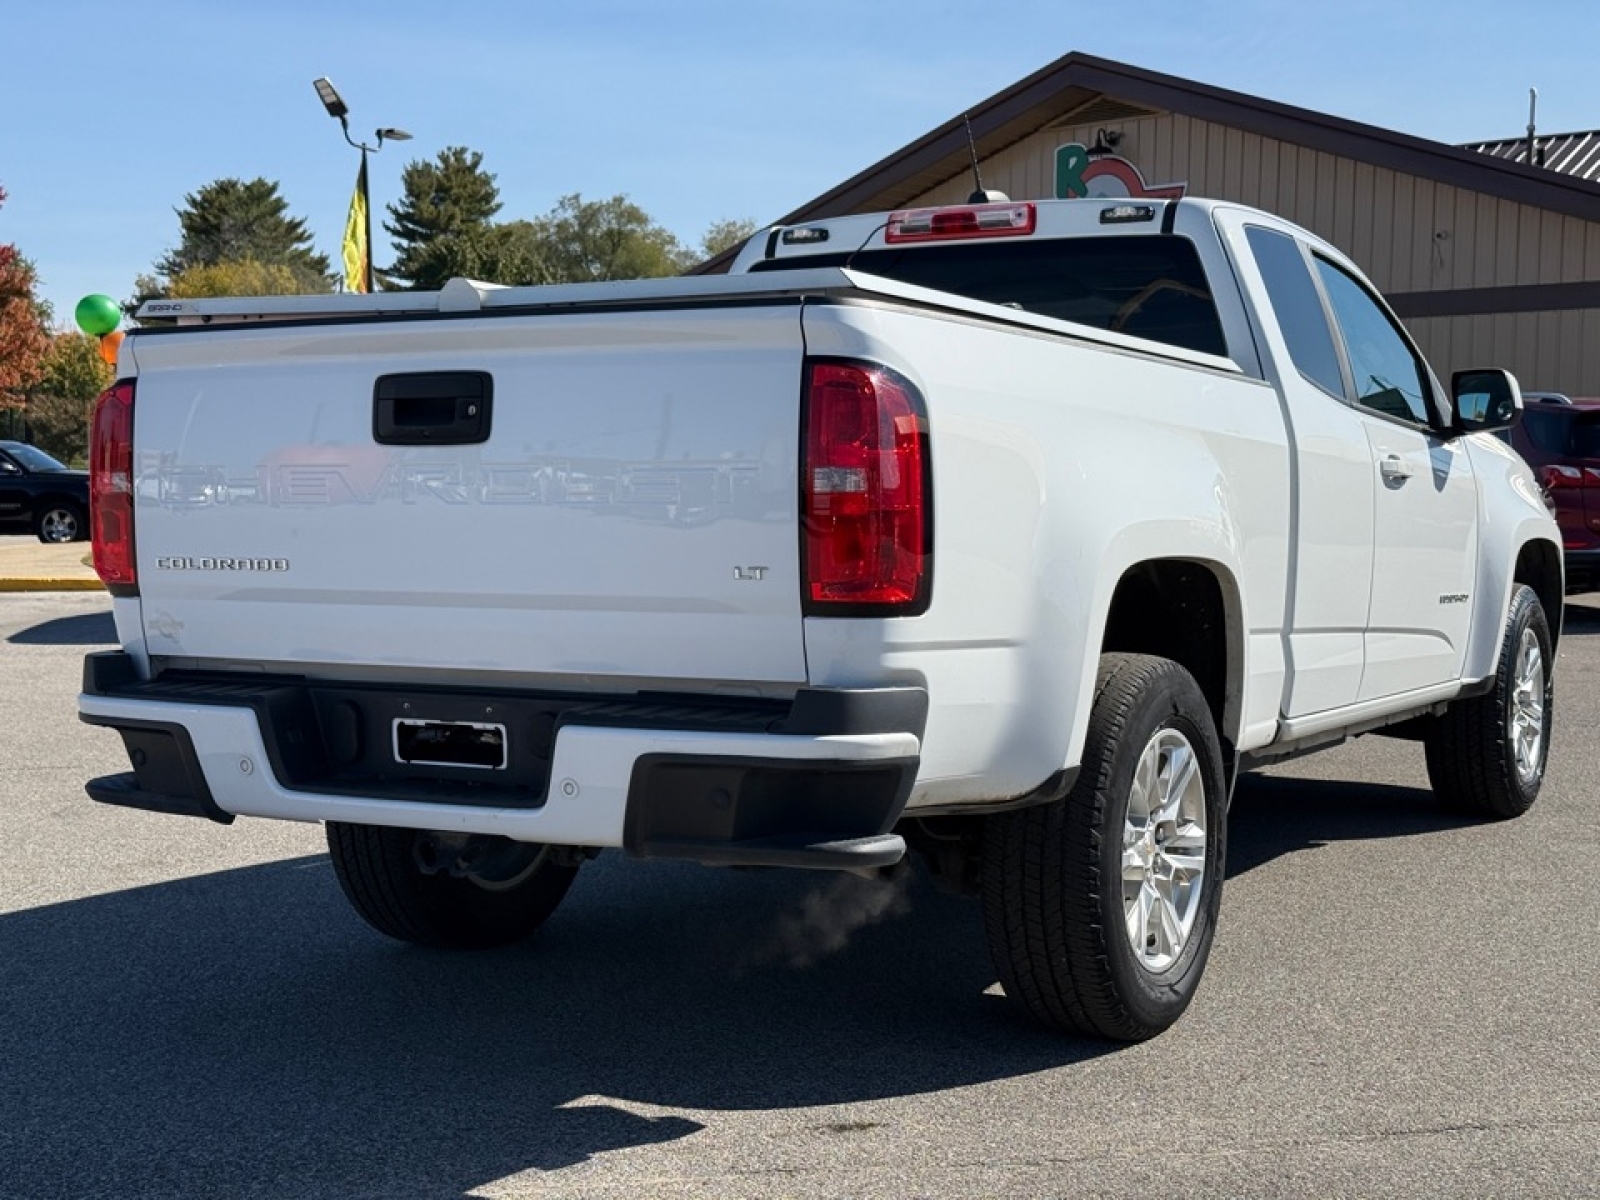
{"points": [[1483, 401]]}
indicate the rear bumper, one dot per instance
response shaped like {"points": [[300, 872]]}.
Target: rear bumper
{"points": [[817, 782]]}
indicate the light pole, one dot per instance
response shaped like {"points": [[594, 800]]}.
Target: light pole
{"points": [[334, 103]]}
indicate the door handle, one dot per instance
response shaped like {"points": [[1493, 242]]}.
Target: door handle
{"points": [[1394, 467], [440, 408]]}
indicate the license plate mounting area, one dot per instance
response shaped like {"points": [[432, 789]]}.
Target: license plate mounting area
{"points": [[479, 745]]}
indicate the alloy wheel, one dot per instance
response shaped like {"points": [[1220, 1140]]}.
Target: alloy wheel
{"points": [[1164, 850]]}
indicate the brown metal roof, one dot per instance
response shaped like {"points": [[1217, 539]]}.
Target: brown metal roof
{"points": [[1569, 153], [1076, 81]]}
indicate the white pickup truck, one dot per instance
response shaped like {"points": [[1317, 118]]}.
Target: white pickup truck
{"points": [[1010, 532]]}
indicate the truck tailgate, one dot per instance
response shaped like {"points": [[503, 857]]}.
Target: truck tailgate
{"points": [[632, 510]]}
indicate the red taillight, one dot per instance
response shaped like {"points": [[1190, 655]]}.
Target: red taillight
{"points": [[111, 489], [1554, 476], [868, 524], [963, 221]]}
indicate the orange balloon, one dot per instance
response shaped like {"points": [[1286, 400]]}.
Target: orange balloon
{"points": [[110, 343]]}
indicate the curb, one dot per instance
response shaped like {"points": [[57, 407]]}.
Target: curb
{"points": [[51, 585]]}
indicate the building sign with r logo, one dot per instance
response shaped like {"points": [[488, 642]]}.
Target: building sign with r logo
{"points": [[1105, 175]]}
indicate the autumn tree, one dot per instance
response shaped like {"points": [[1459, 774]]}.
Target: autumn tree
{"points": [[61, 403], [234, 221], [242, 277], [23, 324], [443, 219]]}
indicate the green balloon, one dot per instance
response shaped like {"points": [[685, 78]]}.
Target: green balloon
{"points": [[97, 315]]}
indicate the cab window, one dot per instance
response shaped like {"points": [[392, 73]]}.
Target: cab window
{"points": [[1389, 377], [1298, 308], [1148, 285]]}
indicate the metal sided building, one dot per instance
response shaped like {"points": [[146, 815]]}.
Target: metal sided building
{"points": [[1488, 260]]}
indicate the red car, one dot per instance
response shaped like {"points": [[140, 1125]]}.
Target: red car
{"points": [[1561, 442]]}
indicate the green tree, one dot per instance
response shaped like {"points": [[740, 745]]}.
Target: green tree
{"points": [[246, 277], [62, 402], [724, 234], [510, 253], [230, 221], [145, 287], [582, 241], [442, 219], [513, 254], [24, 322]]}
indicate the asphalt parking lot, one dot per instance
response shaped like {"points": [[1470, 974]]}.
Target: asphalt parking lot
{"points": [[1400, 1004]]}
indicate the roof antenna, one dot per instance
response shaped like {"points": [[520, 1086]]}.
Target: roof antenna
{"points": [[979, 195], [1533, 103], [1535, 151]]}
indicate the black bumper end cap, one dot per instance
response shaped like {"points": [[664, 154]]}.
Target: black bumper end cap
{"points": [[124, 791], [839, 854]]}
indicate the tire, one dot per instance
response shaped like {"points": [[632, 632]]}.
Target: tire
{"points": [[61, 521], [380, 871], [1487, 755], [1061, 912]]}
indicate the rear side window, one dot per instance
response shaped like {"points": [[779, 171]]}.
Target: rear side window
{"points": [[1150, 286], [1298, 307], [1562, 432], [1585, 435], [1547, 431]]}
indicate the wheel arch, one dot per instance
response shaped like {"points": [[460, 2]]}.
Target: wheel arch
{"points": [[1188, 610], [1518, 542], [1531, 558], [48, 499], [1539, 566]]}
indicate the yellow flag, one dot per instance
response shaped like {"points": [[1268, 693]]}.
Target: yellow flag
{"points": [[356, 249]]}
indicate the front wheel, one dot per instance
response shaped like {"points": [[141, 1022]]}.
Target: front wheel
{"points": [[447, 891], [1100, 908], [1486, 755]]}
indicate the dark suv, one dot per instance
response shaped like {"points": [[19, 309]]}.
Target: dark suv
{"points": [[1561, 442], [53, 499]]}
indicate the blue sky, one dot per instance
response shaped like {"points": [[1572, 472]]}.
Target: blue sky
{"points": [[111, 113]]}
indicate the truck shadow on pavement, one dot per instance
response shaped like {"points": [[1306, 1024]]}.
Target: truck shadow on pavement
{"points": [[221, 1034], [203, 1036], [84, 629], [1274, 815]]}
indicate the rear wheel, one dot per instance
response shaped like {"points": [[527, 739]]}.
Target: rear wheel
{"points": [[61, 522], [448, 891], [1100, 907], [1486, 755]]}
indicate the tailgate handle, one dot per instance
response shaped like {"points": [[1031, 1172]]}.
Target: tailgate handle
{"points": [[437, 408]]}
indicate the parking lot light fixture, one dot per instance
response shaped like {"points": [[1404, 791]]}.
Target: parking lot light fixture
{"points": [[334, 103], [331, 99]]}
